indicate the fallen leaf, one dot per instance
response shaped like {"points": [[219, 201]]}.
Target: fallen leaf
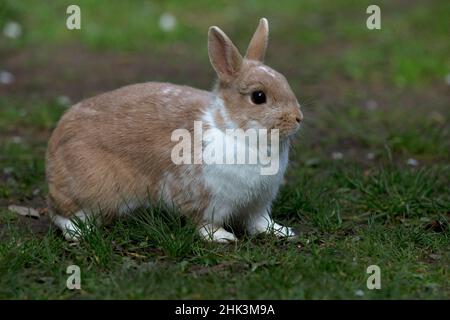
{"points": [[257, 265], [24, 211], [434, 256], [436, 226], [43, 211], [135, 255]]}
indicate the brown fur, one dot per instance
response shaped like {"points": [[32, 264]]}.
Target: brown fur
{"points": [[116, 147]]}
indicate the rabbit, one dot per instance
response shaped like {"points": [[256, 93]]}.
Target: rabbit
{"points": [[112, 153]]}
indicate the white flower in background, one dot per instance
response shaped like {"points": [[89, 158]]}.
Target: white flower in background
{"points": [[359, 293], [167, 22], [370, 156], [6, 77], [8, 170], [312, 162], [371, 105], [412, 162], [16, 139], [447, 79], [337, 155], [12, 30], [63, 101], [437, 117]]}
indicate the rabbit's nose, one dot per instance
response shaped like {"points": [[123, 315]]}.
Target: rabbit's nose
{"points": [[299, 117]]}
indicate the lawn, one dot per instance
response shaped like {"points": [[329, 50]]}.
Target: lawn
{"points": [[369, 176]]}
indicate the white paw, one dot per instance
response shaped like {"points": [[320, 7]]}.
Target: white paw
{"points": [[264, 224], [69, 228], [216, 234], [70, 231], [281, 231]]}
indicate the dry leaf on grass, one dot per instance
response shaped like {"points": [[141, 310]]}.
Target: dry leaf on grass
{"points": [[24, 211]]}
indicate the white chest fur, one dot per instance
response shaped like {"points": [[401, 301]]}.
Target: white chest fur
{"points": [[239, 189]]}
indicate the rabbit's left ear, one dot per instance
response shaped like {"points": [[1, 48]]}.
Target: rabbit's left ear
{"points": [[258, 45]]}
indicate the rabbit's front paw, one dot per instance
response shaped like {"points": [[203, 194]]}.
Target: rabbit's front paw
{"points": [[265, 224], [281, 231], [214, 233]]}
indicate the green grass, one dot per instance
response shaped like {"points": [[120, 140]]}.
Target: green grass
{"points": [[379, 98], [18, 113], [156, 255], [348, 219]]}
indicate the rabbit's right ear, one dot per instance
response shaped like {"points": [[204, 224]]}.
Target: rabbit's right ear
{"points": [[223, 54]]}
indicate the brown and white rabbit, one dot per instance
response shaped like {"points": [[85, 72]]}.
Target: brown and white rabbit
{"points": [[112, 153]]}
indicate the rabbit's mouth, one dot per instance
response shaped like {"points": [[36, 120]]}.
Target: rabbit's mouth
{"points": [[286, 130], [294, 131]]}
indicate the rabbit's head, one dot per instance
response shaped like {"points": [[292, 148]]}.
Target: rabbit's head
{"points": [[253, 94]]}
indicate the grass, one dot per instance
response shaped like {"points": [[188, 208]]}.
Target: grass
{"points": [[328, 261], [343, 23], [369, 173]]}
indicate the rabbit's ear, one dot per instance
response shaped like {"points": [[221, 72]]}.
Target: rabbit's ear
{"points": [[224, 56], [258, 45]]}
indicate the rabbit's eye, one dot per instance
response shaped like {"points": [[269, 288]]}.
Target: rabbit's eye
{"points": [[258, 97]]}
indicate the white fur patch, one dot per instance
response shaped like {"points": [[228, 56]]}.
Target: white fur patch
{"points": [[217, 106], [166, 187], [265, 224], [269, 71], [238, 188], [211, 232], [166, 90], [69, 229], [128, 206]]}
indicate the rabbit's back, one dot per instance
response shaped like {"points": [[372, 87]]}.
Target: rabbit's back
{"points": [[153, 101], [130, 116], [108, 149]]}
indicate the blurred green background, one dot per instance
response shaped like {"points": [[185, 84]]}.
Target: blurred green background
{"points": [[311, 40]]}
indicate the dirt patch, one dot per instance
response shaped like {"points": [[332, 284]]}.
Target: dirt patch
{"points": [[38, 226], [77, 72]]}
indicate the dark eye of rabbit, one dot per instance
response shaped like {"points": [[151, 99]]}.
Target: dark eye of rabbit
{"points": [[258, 97]]}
